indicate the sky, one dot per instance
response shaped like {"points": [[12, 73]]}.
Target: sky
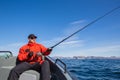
{"points": [[53, 20]]}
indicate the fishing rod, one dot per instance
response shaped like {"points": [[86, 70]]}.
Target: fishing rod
{"points": [[86, 26]]}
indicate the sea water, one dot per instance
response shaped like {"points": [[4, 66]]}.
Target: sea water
{"points": [[94, 69]]}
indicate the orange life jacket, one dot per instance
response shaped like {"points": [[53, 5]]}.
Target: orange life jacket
{"points": [[35, 48]]}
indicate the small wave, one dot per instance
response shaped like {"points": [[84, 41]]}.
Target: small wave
{"points": [[116, 72], [95, 69]]}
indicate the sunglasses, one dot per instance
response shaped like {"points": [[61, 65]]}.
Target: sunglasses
{"points": [[32, 38]]}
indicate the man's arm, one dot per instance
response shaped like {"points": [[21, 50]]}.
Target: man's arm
{"points": [[22, 56], [45, 51]]}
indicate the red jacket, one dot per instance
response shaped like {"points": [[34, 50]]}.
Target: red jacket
{"points": [[35, 48]]}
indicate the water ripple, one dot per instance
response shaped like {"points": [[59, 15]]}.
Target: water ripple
{"points": [[94, 69]]}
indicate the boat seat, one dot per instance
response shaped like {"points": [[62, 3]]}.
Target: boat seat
{"points": [[27, 75]]}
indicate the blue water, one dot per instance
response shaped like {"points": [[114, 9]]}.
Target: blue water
{"points": [[94, 69]]}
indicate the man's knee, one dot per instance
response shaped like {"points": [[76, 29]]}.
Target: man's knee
{"points": [[14, 71]]}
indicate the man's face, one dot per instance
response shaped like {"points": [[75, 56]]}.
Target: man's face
{"points": [[32, 40]]}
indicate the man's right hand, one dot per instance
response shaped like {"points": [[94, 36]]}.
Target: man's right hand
{"points": [[30, 54], [39, 54], [27, 50]]}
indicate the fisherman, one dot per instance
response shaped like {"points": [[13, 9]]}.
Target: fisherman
{"points": [[31, 58]]}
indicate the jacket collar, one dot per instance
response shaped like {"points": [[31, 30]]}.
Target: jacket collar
{"points": [[31, 44]]}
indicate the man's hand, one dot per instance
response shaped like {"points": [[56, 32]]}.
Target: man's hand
{"points": [[39, 54], [49, 49], [27, 50], [30, 54]]}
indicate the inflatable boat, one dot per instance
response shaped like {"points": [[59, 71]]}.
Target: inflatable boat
{"points": [[58, 72]]}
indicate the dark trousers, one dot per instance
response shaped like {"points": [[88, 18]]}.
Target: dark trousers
{"points": [[43, 68]]}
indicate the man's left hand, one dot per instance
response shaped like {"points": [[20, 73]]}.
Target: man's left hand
{"points": [[49, 49]]}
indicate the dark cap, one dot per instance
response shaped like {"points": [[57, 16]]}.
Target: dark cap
{"points": [[32, 36]]}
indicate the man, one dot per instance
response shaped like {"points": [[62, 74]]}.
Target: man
{"points": [[31, 58]]}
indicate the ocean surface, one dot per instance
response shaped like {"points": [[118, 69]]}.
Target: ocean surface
{"points": [[94, 69]]}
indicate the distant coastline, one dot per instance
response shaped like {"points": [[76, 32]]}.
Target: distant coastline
{"points": [[87, 57]]}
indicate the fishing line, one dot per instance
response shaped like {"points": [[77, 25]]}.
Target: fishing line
{"points": [[86, 26]]}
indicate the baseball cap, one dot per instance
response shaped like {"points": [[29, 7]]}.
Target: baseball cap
{"points": [[32, 36]]}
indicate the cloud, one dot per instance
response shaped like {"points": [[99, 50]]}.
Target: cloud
{"points": [[74, 26], [52, 42], [70, 49], [108, 50], [71, 42], [14, 47], [76, 46], [105, 49], [77, 22]]}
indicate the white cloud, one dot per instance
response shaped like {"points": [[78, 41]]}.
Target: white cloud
{"points": [[75, 46], [105, 49], [77, 22], [74, 26], [108, 50], [14, 47], [52, 42], [71, 42]]}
